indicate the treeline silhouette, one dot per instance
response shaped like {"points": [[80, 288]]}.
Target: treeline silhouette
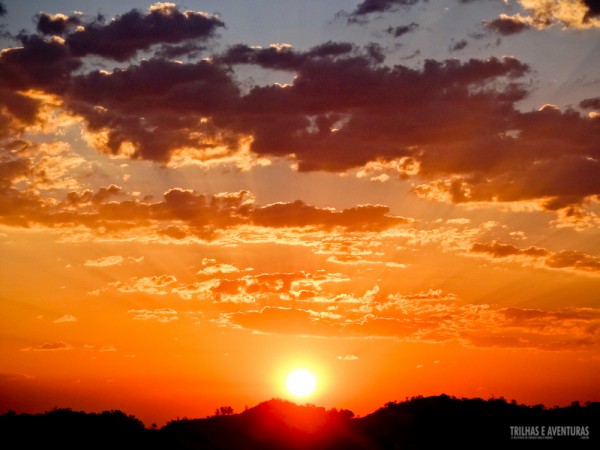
{"points": [[416, 423]]}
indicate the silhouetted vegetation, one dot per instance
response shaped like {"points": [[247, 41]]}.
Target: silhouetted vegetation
{"points": [[416, 423], [66, 429]]}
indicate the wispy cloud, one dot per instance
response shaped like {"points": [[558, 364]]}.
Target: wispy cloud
{"points": [[107, 348], [49, 347], [426, 317], [162, 315], [114, 260], [66, 318]]}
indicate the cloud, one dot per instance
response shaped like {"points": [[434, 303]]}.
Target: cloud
{"points": [[12, 377], [262, 287], [66, 318], [282, 57], [458, 45], [305, 304], [431, 317], [498, 250], [348, 358], [336, 142], [367, 7], [533, 315], [107, 348], [507, 25], [156, 285], [180, 214], [39, 63], [299, 214], [558, 184], [574, 260], [47, 63], [105, 261], [211, 267], [590, 103], [567, 259], [114, 103], [568, 13], [161, 315], [593, 9], [453, 126], [56, 24], [50, 347], [2, 9], [125, 35], [279, 320], [402, 29], [108, 261], [236, 287]]}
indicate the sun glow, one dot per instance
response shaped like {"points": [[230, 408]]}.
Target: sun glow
{"points": [[301, 382]]}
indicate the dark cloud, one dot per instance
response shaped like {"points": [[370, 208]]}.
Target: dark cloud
{"points": [[345, 109], [593, 9], [590, 103], [371, 6], [2, 9], [283, 57], [188, 49], [379, 112], [56, 24], [402, 30], [17, 113], [459, 45], [564, 170], [572, 260], [498, 250], [125, 35], [454, 121], [157, 106], [37, 64], [367, 7], [274, 57], [299, 214], [507, 25], [47, 64], [12, 168]]}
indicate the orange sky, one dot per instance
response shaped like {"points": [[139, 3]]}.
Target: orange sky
{"points": [[185, 216]]}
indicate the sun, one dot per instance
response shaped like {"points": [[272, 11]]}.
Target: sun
{"points": [[301, 382]]}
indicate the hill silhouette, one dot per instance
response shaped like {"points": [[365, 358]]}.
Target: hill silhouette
{"points": [[418, 423]]}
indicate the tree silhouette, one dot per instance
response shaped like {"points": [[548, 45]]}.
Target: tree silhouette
{"points": [[416, 423], [224, 411]]}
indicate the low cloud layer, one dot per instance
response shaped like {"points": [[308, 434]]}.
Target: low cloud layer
{"points": [[180, 214], [305, 304]]}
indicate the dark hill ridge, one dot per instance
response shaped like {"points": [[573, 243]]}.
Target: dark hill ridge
{"points": [[418, 423], [276, 424]]}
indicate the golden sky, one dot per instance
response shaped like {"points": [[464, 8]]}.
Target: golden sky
{"points": [[401, 196]]}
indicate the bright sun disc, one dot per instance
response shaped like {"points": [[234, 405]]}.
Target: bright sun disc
{"points": [[301, 382]]}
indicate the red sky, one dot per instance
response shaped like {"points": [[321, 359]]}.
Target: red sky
{"points": [[402, 196]]}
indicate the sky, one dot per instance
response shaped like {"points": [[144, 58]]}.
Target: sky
{"points": [[402, 196]]}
